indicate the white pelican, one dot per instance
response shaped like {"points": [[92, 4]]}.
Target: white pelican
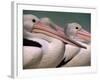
{"points": [[31, 53], [70, 50], [50, 50], [75, 56]]}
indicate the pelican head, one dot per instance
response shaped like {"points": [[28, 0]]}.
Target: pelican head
{"points": [[76, 32], [29, 21]]}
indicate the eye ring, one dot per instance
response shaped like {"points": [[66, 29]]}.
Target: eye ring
{"points": [[33, 20], [76, 27]]}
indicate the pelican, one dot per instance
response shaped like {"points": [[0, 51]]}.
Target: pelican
{"points": [[70, 50], [50, 49], [75, 56], [31, 49]]}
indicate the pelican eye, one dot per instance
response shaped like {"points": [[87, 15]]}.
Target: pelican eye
{"points": [[33, 20], [77, 28]]}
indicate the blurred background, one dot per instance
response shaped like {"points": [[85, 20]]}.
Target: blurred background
{"points": [[61, 18]]}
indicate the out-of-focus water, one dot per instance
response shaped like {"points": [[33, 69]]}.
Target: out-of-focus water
{"points": [[61, 18]]}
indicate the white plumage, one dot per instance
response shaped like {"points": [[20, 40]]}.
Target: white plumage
{"points": [[51, 52], [49, 55]]}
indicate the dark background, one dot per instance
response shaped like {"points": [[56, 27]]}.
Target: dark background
{"points": [[61, 18]]}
